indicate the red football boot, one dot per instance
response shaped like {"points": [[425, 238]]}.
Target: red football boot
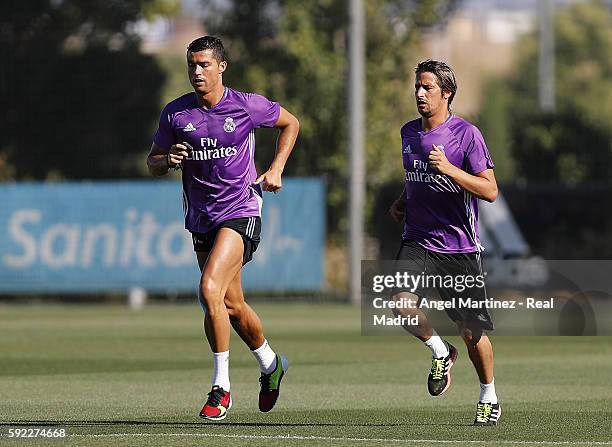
{"points": [[218, 403]]}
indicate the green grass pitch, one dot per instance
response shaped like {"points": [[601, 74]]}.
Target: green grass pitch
{"points": [[120, 377]]}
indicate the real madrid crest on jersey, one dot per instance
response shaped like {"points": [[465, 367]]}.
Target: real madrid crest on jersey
{"points": [[229, 125]]}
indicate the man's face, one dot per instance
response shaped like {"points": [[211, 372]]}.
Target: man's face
{"points": [[430, 99], [204, 70]]}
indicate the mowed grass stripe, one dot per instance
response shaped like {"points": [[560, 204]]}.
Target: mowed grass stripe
{"points": [[106, 370]]}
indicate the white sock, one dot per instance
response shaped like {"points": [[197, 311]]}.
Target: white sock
{"points": [[487, 392], [220, 375], [438, 348], [266, 358]]}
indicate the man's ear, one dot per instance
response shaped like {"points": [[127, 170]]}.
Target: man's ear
{"points": [[222, 66]]}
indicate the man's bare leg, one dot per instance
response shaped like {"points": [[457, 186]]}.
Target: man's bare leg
{"points": [[480, 351], [218, 268], [247, 325], [423, 331], [444, 354], [223, 263], [243, 318]]}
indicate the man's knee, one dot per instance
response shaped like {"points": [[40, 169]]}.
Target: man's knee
{"points": [[210, 295], [405, 303], [202, 302]]}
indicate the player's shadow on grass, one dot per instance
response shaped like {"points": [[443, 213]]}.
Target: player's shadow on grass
{"points": [[209, 424]]}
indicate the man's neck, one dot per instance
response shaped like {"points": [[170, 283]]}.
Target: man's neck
{"points": [[211, 98], [429, 123]]}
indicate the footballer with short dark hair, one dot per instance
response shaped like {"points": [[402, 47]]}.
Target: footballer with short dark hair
{"points": [[210, 135]]}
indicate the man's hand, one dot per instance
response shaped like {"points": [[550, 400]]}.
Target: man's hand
{"points": [[438, 161], [270, 181], [176, 155], [398, 210]]}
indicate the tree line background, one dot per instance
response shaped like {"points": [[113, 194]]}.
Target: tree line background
{"points": [[81, 101]]}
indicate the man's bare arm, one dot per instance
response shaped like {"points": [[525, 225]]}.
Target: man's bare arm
{"points": [[483, 185], [289, 128], [398, 207]]}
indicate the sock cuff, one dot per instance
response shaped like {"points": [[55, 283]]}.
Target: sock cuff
{"points": [[261, 348], [434, 334], [221, 354], [488, 384]]}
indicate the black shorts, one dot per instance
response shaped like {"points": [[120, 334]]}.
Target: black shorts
{"points": [[248, 227], [417, 260]]}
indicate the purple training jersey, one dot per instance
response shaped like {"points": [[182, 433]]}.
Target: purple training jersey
{"points": [[219, 173], [440, 215]]}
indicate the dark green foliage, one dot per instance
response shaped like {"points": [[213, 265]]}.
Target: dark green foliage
{"points": [[79, 98], [574, 143]]}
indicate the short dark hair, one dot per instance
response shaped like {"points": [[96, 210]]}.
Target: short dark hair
{"points": [[208, 43], [443, 73]]}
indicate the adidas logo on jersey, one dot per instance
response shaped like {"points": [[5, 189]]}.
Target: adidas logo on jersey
{"points": [[189, 128]]}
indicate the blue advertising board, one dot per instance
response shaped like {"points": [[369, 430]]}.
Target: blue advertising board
{"points": [[111, 236]]}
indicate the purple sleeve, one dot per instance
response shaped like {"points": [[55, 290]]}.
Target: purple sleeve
{"points": [[263, 112], [164, 137], [478, 158]]}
